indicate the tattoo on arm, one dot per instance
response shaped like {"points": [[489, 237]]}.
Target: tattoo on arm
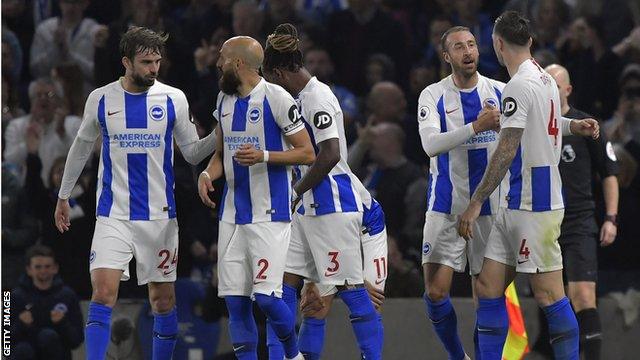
{"points": [[499, 163]]}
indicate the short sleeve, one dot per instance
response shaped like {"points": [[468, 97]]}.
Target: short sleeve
{"points": [[90, 127], [184, 130], [286, 112], [321, 115], [516, 101], [603, 156], [427, 111]]}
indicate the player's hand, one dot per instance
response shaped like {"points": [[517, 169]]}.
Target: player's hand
{"points": [[205, 187], [248, 155], [488, 119], [376, 295], [468, 218], [310, 300], [608, 233], [26, 317], [586, 127], [61, 215], [56, 316]]}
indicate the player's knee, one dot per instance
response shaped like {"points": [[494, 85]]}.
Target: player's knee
{"points": [[319, 314], [293, 280], [435, 293], [582, 299], [545, 297], [104, 295], [265, 302], [485, 289], [162, 303]]}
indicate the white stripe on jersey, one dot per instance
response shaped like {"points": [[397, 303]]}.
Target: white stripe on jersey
{"points": [[135, 178], [453, 176], [531, 101], [340, 190], [260, 192]]}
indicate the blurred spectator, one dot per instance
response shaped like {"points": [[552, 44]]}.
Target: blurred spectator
{"points": [[378, 68], [545, 57], [68, 77], [404, 279], [549, 17], [319, 63], [318, 11], [10, 106], [278, 12], [248, 20], [420, 76], [65, 38], [46, 319], [593, 66], [201, 18], [433, 52], [415, 202], [617, 14], [469, 14], [351, 34], [19, 228], [390, 173], [47, 128], [629, 47], [17, 15], [205, 57], [12, 56], [625, 125]]}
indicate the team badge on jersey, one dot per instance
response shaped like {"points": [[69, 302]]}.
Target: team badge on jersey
{"points": [[254, 115], [157, 112], [423, 113], [322, 120], [509, 106], [491, 102]]}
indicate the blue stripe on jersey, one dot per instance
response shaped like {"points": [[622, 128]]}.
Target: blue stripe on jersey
{"points": [[313, 138], [515, 181], [499, 95], [167, 166], [444, 188], [471, 105], [278, 178], [106, 196], [222, 200], [298, 173], [541, 188], [323, 197], [138, 186], [240, 114], [135, 109], [241, 184], [478, 159], [429, 182], [345, 192]]}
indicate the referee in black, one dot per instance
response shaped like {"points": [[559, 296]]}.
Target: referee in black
{"points": [[584, 159]]}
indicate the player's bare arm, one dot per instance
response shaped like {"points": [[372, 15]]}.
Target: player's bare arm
{"points": [[213, 171], [327, 158], [301, 154], [496, 170]]}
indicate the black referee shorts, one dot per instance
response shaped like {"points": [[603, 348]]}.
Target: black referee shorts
{"points": [[578, 242]]}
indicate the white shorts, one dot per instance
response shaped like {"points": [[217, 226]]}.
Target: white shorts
{"points": [[374, 253], [154, 244], [251, 258], [526, 240], [326, 249], [441, 243]]}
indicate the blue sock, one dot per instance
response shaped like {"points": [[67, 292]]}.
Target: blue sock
{"points": [[476, 345], [311, 338], [281, 321], [165, 334], [242, 327], [276, 351], [445, 323], [97, 331], [380, 333], [492, 326], [290, 297], [563, 330], [364, 321]]}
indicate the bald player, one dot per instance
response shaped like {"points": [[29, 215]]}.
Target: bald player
{"points": [[579, 231], [260, 134]]}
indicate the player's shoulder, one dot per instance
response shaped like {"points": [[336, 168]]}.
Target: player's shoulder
{"points": [[98, 93], [320, 94], [519, 84], [435, 90], [173, 92], [497, 84], [275, 92]]}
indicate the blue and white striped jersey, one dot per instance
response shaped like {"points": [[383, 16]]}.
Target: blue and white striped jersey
{"points": [[531, 101], [454, 176], [340, 190], [261, 192], [135, 177]]}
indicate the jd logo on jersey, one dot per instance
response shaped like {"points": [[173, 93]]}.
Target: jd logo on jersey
{"points": [[254, 115], [509, 106], [322, 120], [157, 112], [294, 114]]}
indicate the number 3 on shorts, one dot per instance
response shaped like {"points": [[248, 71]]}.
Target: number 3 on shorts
{"points": [[334, 262], [164, 255]]}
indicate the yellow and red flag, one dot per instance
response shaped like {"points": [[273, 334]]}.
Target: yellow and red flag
{"points": [[517, 344]]}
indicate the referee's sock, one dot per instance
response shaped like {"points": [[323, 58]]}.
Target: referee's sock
{"points": [[165, 334], [590, 333], [563, 330], [242, 327], [311, 338], [290, 298], [281, 321], [492, 326], [97, 331], [445, 323], [364, 321]]}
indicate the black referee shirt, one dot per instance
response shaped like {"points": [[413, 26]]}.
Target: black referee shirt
{"points": [[581, 160]]}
